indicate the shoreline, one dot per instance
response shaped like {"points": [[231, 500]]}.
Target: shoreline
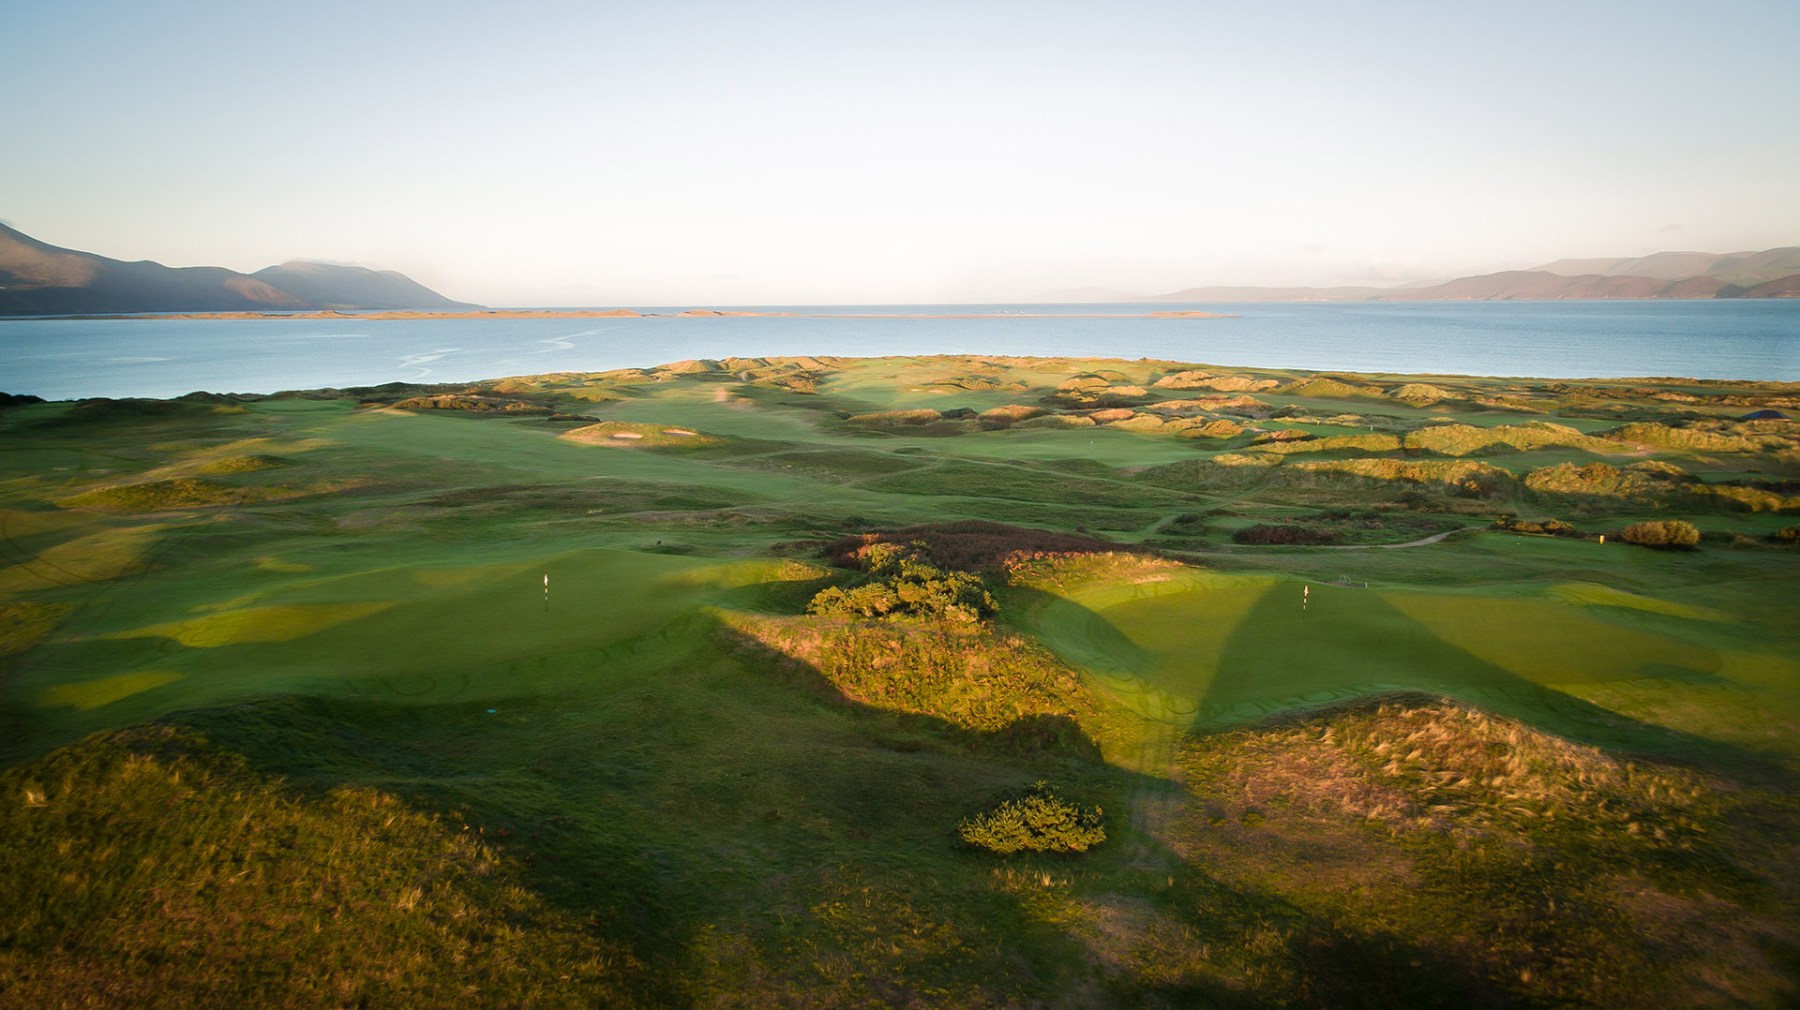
{"points": [[425, 314]]}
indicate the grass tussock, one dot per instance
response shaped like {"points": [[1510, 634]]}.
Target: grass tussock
{"points": [[252, 896]]}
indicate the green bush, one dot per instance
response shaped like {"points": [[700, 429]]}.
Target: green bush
{"points": [[1662, 533], [904, 584], [1038, 820]]}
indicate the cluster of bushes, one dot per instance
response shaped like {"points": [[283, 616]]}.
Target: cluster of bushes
{"points": [[968, 544], [901, 583], [1549, 527], [1662, 533], [1037, 820], [1788, 535], [1267, 533]]}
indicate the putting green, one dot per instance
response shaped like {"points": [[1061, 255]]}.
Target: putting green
{"points": [[1208, 648]]}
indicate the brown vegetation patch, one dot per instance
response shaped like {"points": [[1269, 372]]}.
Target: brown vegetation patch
{"points": [[970, 676], [1441, 766], [1194, 379], [472, 404], [971, 544]]}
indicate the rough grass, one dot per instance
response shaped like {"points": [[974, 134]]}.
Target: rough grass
{"points": [[1556, 873], [973, 678], [159, 496], [145, 869], [245, 463], [24, 624]]}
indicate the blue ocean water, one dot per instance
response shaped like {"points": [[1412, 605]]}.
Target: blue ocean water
{"points": [[1719, 339]]}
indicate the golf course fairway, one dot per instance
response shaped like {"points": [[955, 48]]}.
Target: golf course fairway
{"points": [[734, 683]]}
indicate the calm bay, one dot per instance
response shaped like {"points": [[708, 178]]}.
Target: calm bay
{"points": [[1718, 339]]}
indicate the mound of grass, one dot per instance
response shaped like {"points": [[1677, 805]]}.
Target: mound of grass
{"points": [[146, 869], [1468, 439], [1058, 572], [1710, 436], [1418, 765], [971, 677], [1473, 479], [473, 403], [1036, 820], [1339, 443], [641, 435], [1328, 388], [1671, 533], [1603, 480], [1011, 414], [102, 410], [247, 463], [1556, 874], [159, 496], [1420, 394], [1056, 421], [1193, 379]]}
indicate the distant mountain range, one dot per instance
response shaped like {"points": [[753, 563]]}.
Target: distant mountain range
{"points": [[1772, 273], [37, 278]]}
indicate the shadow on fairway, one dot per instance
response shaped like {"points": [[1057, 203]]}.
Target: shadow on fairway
{"points": [[731, 794], [1281, 657]]}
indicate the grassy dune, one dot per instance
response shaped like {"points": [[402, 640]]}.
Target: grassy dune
{"points": [[335, 628]]}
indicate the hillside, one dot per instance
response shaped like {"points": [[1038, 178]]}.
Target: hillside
{"points": [[1543, 285], [1771, 273], [37, 278], [1744, 269]]}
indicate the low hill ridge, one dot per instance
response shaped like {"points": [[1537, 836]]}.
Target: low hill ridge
{"points": [[37, 278]]}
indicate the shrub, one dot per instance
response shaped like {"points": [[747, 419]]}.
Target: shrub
{"points": [[1788, 535], [1662, 533], [1037, 820], [903, 583], [1264, 533]]}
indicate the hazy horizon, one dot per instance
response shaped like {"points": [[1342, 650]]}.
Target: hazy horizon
{"points": [[819, 154]]}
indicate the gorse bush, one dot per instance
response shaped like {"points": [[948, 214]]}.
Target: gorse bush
{"points": [[1662, 533], [903, 584], [1282, 533], [1039, 820]]}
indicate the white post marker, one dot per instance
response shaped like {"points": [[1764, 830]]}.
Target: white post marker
{"points": [[546, 590], [1305, 591]]}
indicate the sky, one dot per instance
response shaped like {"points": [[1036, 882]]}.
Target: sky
{"points": [[588, 154]]}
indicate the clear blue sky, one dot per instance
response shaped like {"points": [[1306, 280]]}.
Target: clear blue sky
{"points": [[551, 153]]}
